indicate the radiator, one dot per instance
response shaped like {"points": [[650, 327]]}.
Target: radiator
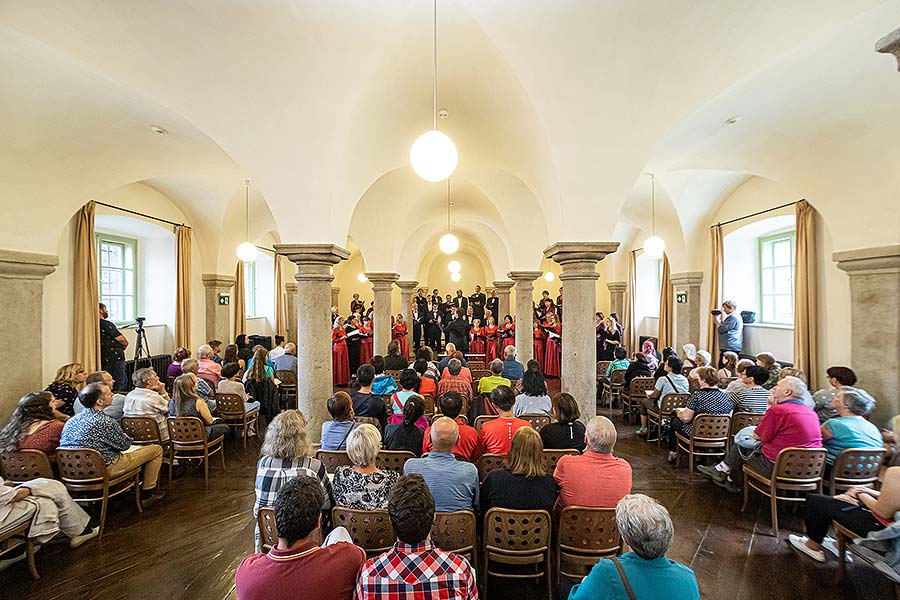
{"points": [[158, 362]]}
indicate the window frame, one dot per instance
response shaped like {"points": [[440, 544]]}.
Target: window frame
{"points": [[250, 290], [764, 242], [99, 239]]}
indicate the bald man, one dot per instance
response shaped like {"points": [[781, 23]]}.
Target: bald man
{"points": [[288, 360], [453, 483]]}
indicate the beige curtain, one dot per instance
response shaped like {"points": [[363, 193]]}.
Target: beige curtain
{"points": [[665, 306], [717, 264], [805, 282], [86, 328], [629, 319], [183, 287], [240, 311], [280, 317]]}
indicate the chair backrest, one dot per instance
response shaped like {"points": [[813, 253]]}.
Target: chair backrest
{"points": [[478, 374], [455, 531], [639, 385], [488, 462], [286, 377], [186, 431], [369, 420], [711, 428], [856, 466], [142, 430], [617, 377], [739, 420], [723, 383], [551, 457], [686, 370], [602, 366], [371, 530], [395, 374], [476, 365], [25, 465], [589, 531], [332, 459], [430, 408], [536, 420], [230, 405], [268, 533], [480, 421], [799, 467], [670, 402], [693, 385], [518, 531], [461, 417], [81, 466], [393, 460]]}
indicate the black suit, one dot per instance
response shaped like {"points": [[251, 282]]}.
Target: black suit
{"points": [[462, 304], [492, 305], [418, 320], [478, 301], [458, 333], [433, 329]]}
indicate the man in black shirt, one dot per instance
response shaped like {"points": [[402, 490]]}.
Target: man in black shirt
{"points": [[493, 304], [476, 303], [112, 350]]}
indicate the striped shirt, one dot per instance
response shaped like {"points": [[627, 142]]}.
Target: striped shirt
{"points": [[453, 483], [751, 399]]}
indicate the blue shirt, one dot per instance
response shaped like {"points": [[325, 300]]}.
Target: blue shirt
{"points": [[658, 578], [850, 432], [286, 362], [334, 434], [731, 334], [97, 430], [384, 384], [453, 483], [513, 369]]}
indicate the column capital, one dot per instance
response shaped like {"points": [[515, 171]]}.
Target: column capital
{"points": [[290, 287], [382, 281], [335, 289], [565, 253], [883, 259], [617, 286], [687, 278], [26, 265], [890, 44], [503, 285], [407, 286], [524, 276], [217, 280], [314, 261]]}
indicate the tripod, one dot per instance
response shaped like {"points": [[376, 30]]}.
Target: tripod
{"points": [[141, 347]]}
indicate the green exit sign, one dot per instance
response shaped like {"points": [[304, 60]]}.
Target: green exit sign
{"points": [[681, 298], [224, 299]]}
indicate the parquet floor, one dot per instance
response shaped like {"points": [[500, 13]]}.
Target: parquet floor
{"points": [[190, 545]]}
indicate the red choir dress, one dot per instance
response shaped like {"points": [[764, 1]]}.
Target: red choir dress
{"points": [[490, 349], [366, 350], [538, 345], [476, 340], [399, 333], [340, 360], [507, 337], [551, 351]]}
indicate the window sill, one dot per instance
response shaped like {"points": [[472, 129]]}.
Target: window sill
{"points": [[769, 326]]}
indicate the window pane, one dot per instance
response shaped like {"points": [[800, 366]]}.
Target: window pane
{"points": [[129, 257], [782, 252], [768, 311], [783, 280], [767, 254], [115, 306], [128, 313], [129, 283], [113, 255], [784, 309], [116, 282], [768, 287]]}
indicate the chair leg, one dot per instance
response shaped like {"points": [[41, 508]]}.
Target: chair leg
{"points": [[206, 468], [774, 504], [549, 577], [746, 493], [222, 454], [103, 512], [842, 556], [137, 492], [29, 552], [691, 467]]}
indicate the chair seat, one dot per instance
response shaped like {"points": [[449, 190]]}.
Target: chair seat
{"points": [[8, 528]]}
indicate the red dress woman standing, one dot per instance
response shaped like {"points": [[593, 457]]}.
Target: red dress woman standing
{"points": [[538, 343], [366, 349], [507, 334], [398, 332], [491, 332], [476, 338], [340, 360], [551, 348]]}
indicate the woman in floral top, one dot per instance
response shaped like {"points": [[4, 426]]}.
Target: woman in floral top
{"points": [[363, 486], [69, 379]]}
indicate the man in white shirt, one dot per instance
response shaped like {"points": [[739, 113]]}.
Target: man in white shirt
{"points": [[673, 382], [149, 399], [279, 348]]}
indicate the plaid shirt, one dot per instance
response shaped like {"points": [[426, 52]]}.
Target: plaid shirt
{"points": [[416, 572], [456, 383]]}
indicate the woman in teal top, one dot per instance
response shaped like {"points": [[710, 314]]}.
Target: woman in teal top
{"points": [[646, 527], [849, 429]]}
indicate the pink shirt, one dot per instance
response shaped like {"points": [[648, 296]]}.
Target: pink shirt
{"points": [[209, 370], [789, 424], [592, 479]]}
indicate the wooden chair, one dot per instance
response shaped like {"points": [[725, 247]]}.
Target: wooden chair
{"points": [[369, 421], [394, 374], [723, 383], [268, 533], [631, 400], [667, 406], [602, 366], [461, 417], [393, 460], [709, 437], [845, 539], [693, 385], [430, 407], [536, 420], [614, 387], [585, 536], [25, 465], [855, 466], [739, 420], [517, 537], [188, 442], [479, 373], [233, 412], [287, 389], [83, 471], [796, 471], [144, 431], [476, 365], [371, 530], [19, 534], [480, 421], [332, 459], [487, 463], [551, 457], [455, 532]]}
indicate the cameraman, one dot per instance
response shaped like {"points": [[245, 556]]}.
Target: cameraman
{"points": [[730, 329], [112, 350]]}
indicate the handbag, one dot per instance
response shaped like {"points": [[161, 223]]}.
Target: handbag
{"points": [[624, 578], [745, 441]]}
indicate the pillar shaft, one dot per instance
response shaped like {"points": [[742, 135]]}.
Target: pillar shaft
{"points": [[687, 313], [313, 328], [381, 287], [290, 309], [218, 316], [579, 341], [524, 282], [407, 291], [617, 297], [875, 324], [335, 297]]}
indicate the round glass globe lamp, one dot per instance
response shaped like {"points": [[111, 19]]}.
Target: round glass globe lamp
{"points": [[654, 246], [455, 276], [433, 156], [247, 252], [449, 243], [454, 267], [548, 276], [361, 278]]}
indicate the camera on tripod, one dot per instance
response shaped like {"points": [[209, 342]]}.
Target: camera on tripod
{"points": [[139, 321], [141, 347]]}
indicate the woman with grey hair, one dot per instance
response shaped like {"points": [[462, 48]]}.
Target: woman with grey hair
{"points": [[645, 572], [850, 429], [363, 486]]}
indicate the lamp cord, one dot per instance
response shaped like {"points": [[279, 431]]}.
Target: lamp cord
{"points": [[449, 205], [434, 79], [247, 210], [653, 202]]}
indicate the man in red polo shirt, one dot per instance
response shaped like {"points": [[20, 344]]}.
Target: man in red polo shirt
{"points": [[468, 445], [497, 434], [298, 567], [595, 478]]}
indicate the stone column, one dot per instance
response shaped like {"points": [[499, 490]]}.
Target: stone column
{"points": [[218, 316], [502, 288], [687, 314], [875, 324], [335, 298], [524, 282], [290, 308], [579, 341], [407, 291], [381, 288], [617, 297], [21, 303], [313, 328]]}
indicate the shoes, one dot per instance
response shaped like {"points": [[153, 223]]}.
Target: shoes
{"points": [[153, 499], [713, 473], [11, 561], [673, 456], [642, 431], [80, 539], [728, 485], [830, 544], [799, 542]]}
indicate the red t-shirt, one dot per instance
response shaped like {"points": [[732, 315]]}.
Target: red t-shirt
{"points": [[788, 424], [592, 479], [327, 573], [497, 434], [468, 444], [427, 385]]}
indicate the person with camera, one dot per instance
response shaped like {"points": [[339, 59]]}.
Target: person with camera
{"points": [[112, 350], [730, 329]]}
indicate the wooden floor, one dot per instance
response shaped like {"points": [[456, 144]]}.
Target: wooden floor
{"points": [[190, 545]]}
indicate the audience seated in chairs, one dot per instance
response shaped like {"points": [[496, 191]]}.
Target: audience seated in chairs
{"points": [[363, 486], [69, 379], [838, 378], [566, 432], [33, 426], [729, 365], [453, 381], [512, 369], [464, 371], [794, 372], [230, 356], [231, 384], [92, 428], [660, 370], [285, 454], [496, 434], [298, 567], [186, 402], [639, 367], [407, 435], [278, 350], [409, 382], [523, 483], [261, 385], [204, 390], [703, 359], [179, 356], [487, 384], [207, 368], [414, 567], [534, 399], [468, 446], [383, 384], [365, 403], [751, 397], [117, 409], [427, 384], [287, 360], [738, 383], [596, 478], [850, 429], [671, 382], [148, 399], [767, 361], [708, 400], [620, 360], [336, 431], [788, 423], [645, 572], [393, 361], [432, 370], [453, 483]]}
